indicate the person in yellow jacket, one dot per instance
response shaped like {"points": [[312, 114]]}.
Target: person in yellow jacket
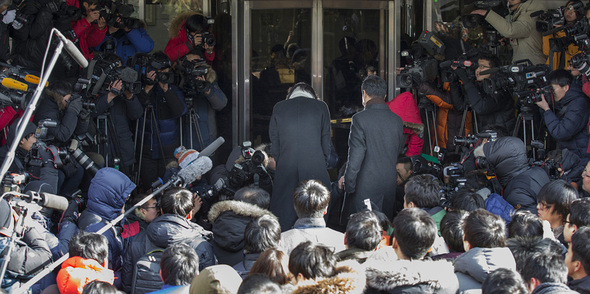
{"points": [[554, 46]]}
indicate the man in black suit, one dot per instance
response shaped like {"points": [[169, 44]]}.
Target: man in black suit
{"points": [[376, 136]]}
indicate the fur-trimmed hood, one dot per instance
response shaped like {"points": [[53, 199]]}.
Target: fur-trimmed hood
{"points": [[349, 279], [177, 24], [238, 207], [430, 276], [229, 219]]}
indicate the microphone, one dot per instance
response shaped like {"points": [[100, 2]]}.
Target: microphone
{"points": [[128, 75], [448, 63], [72, 49], [189, 174], [207, 151], [14, 84], [47, 200]]}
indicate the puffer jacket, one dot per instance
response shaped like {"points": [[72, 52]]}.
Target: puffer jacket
{"points": [[473, 266], [164, 231], [229, 219], [411, 276], [568, 122], [520, 27], [349, 278], [108, 191], [88, 34], [405, 106], [521, 182], [179, 44], [76, 272], [127, 44]]}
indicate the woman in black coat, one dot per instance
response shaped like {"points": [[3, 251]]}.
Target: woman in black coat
{"points": [[300, 136]]}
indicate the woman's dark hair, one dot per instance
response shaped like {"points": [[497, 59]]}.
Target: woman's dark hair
{"points": [[525, 224], [89, 246], [270, 264], [196, 23], [312, 261], [560, 195]]}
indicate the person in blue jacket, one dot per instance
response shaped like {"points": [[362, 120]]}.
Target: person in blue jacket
{"points": [[125, 42], [567, 122]]}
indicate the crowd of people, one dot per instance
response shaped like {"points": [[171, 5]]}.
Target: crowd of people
{"points": [[276, 219]]}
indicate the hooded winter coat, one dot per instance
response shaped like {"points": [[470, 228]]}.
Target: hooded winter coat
{"points": [[108, 191], [300, 135], [127, 44], [473, 266], [411, 276], [164, 231], [568, 122], [76, 272], [520, 27], [229, 219], [349, 278], [521, 182], [179, 44], [405, 106]]}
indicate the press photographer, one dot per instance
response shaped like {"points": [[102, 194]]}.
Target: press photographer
{"points": [[31, 253], [126, 35], [519, 26], [495, 108], [559, 46], [203, 98], [190, 31], [159, 129], [568, 119], [118, 106], [61, 106]]}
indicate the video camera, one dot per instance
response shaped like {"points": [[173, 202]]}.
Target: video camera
{"points": [[525, 81], [144, 63], [553, 18], [116, 9], [192, 70], [106, 69], [27, 9], [474, 139]]}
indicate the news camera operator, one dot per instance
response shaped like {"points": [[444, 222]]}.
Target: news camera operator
{"points": [[126, 37], [61, 106], [165, 101], [558, 46], [203, 98], [122, 107], [31, 254], [493, 109], [568, 119], [90, 30], [519, 26], [189, 31]]}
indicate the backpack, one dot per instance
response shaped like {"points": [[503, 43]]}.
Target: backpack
{"points": [[496, 204], [146, 273]]}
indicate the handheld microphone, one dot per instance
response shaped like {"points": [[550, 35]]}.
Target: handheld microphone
{"points": [[14, 84], [47, 200], [72, 49], [207, 151]]}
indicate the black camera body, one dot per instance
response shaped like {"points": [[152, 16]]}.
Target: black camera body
{"points": [[192, 71], [526, 82]]}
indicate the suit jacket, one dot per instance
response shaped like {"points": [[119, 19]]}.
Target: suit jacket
{"points": [[376, 136]]}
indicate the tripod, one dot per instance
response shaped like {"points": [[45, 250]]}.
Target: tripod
{"points": [[193, 124], [148, 107], [524, 119], [430, 113], [110, 146], [463, 118]]}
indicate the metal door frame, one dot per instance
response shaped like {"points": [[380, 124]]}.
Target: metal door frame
{"points": [[242, 23]]}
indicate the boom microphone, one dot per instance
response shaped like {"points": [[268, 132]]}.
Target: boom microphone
{"points": [[190, 173], [47, 200], [72, 49], [207, 151], [128, 75]]}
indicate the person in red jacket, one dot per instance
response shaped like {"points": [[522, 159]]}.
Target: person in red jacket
{"points": [[405, 106], [88, 262], [91, 29], [186, 33]]}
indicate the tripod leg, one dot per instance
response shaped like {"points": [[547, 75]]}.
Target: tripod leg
{"points": [[197, 127], [141, 146], [434, 128], [428, 131]]}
